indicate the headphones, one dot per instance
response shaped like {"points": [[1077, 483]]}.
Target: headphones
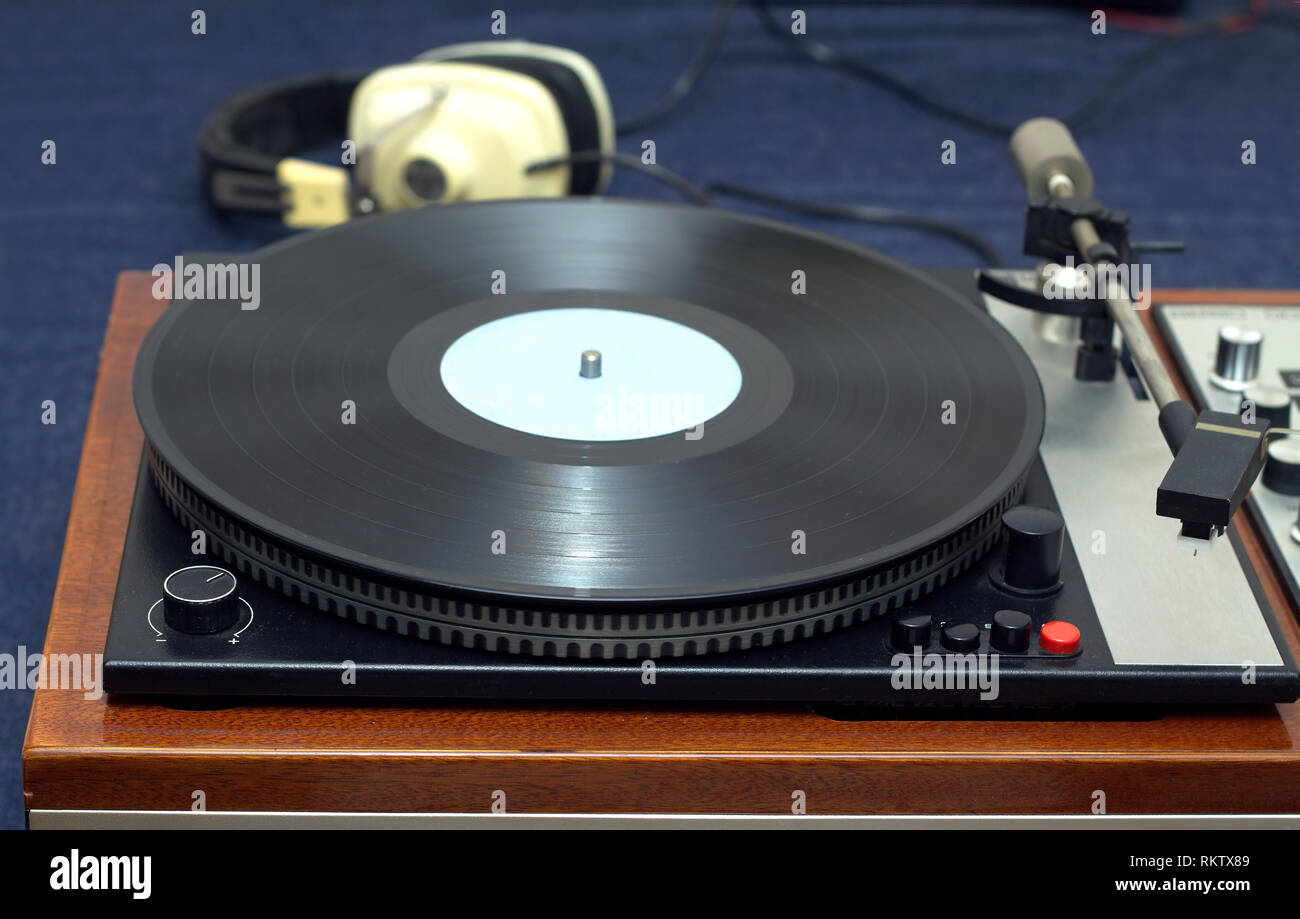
{"points": [[459, 123]]}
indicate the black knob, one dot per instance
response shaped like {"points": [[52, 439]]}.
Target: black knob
{"points": [[1033, 540], [1268, 403], [910, 632], [961, 636], [1282, 466], [200, 600], [1010, 631]]}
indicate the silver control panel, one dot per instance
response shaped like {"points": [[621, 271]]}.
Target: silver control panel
{"points": [[1157, 602], [1200, 334]]}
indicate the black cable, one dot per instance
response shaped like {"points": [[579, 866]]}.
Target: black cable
{"points": [[862, 213], [631, 161], [702, 196], [828, 56], [1133, 66], [684, 83], [1157, 247]]}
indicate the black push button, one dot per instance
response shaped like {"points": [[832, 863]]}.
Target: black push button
{"points": [[962, 636], [1010, 631], [909, 632]]}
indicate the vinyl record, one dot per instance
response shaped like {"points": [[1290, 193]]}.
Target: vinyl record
{"points": [[786, 434]]}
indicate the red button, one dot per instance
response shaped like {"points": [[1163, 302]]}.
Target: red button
{"points": [[1059, 637]]}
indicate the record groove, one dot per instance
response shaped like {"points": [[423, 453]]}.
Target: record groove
{"points": [[613, 549]]}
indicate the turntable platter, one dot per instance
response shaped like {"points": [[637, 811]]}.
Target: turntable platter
{"points": [[784, 433]]}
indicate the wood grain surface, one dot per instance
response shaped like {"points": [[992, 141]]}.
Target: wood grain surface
{"points": [[562, 758]]}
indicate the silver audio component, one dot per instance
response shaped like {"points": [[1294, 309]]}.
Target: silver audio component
{"points": [[1157, 603], [1271, 354]]}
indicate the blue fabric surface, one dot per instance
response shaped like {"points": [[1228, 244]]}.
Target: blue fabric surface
{"points": [[123, 88]]}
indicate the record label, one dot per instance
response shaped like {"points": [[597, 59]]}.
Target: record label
{"points": [[648, 376]]}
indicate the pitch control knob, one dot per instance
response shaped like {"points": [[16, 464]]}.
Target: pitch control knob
{"points": [[1033, 540], [1236, 362], [200, 600]]}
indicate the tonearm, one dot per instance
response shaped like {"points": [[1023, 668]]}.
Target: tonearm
{"points": [[1217, 455]]}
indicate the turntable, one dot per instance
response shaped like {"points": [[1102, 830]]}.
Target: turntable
{"points": [[601, 508], [609, 450]]}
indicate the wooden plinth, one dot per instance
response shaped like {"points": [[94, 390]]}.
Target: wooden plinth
{"points": [[84, 754]]}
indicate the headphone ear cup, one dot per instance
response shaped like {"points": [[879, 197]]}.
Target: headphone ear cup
{"points": [[574, 84]]}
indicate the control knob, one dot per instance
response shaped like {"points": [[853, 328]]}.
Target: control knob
{"points": [[1267, 403], [1236, 361], [200, 600], [1033, 540], [1282, 466]]}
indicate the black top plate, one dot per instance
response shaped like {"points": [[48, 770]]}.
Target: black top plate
{"points": [[840, 430]]}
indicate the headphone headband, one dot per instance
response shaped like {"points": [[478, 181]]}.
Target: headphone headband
{"points": [[247, 138]]}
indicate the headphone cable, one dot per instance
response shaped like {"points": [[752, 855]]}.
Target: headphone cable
{"points": [[686, 81], [703, 196], [1133, 66]]}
